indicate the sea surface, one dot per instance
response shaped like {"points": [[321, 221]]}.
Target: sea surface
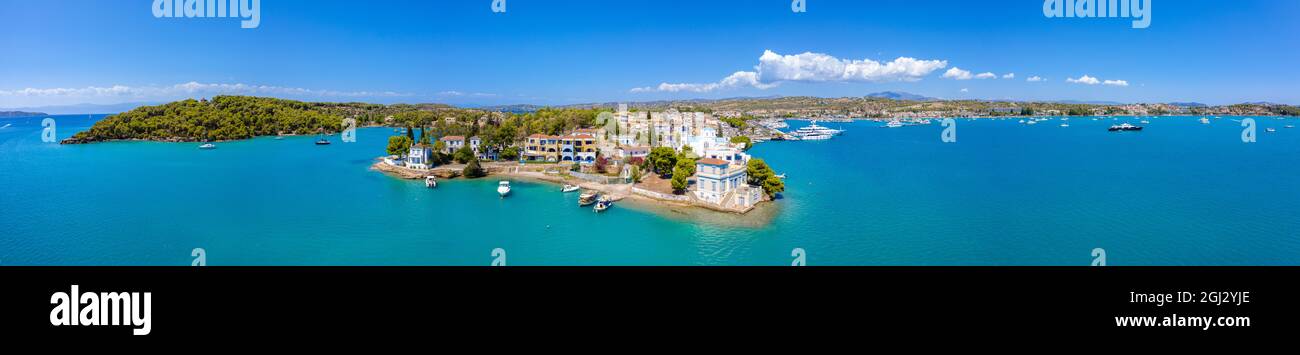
{"points": [[1005, 193]]}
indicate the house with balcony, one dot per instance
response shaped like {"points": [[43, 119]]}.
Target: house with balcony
{"points": [[541, 147], [420, 157], [724, 184]]}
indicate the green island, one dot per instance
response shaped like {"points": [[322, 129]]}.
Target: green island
{"points": [[8, 114]]}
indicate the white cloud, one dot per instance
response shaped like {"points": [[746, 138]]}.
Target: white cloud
{"points": [[1088, 80], [460, 94], [965, 90], [1034, 79], [957, 73], [962, 74], [774, 69], [1084, 80], [1009, 76], [193, 89]]}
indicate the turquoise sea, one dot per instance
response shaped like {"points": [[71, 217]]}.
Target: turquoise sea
{"points": [[1178, 193]]}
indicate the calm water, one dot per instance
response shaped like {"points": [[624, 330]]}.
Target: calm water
{"points": [[1179, 193]]}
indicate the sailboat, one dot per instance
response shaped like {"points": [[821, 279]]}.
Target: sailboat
{"points": [[322, 140]]}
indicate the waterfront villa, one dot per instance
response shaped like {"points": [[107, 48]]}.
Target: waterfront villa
{"points": [[577, 146], [452, 143], [420, 157], [724, 184]]}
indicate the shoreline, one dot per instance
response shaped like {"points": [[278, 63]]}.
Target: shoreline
{"points": [[757, 216]]}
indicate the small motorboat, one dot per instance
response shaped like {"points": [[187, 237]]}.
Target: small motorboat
{"points": [[782, 176], [1205, 120], [430, 182], [587, 198], [570, 188], [322, 141], [1146, 122], [602, 205], [1270, 130], [1065, 125], [1125, 127], [1288, 126], [208, 146], [503, 188], [279, 138]]}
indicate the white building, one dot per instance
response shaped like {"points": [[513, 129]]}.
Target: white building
{"points": [[724, 184], [420, 157]]}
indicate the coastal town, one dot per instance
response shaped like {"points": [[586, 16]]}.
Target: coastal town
{"points": [[674, 157], [683, 153]]}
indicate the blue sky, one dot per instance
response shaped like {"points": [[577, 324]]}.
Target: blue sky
{"points": [[64, 52]]}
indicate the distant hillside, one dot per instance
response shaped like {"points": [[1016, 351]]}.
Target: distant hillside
{"points": [[900, 96], [4, 114]]}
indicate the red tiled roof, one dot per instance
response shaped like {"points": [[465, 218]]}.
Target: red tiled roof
{"points": [[453, 138], [711, 161]]}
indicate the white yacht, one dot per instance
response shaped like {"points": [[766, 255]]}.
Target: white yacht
{"points": [[815, 137], [503, 188], [1205, 120], [208, 146], [814, 129], [570, 188], [430, 182], [894, 124]]}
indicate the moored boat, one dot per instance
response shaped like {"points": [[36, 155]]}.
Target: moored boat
{"points": [[587, 198], [1123, 127], [570, 188], [208, 146], [602, 205], [503, 188], [322, 141], [430, 182]]}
